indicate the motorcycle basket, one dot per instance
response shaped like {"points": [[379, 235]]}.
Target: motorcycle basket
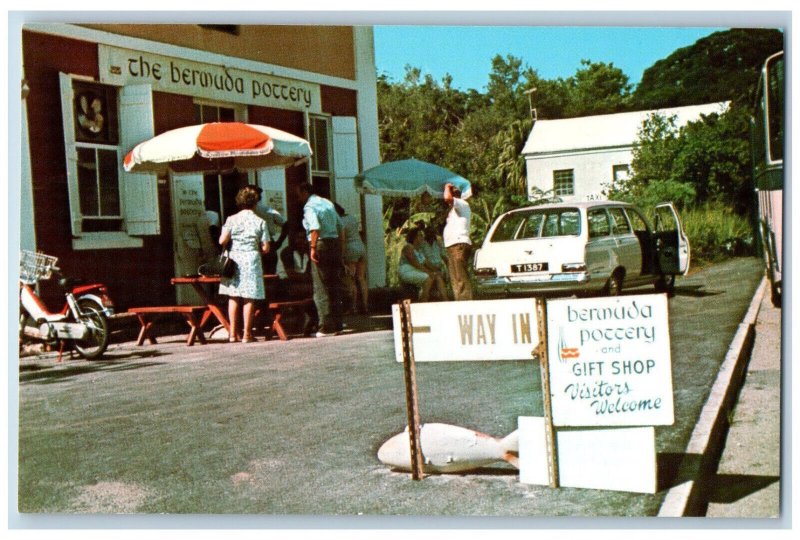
{"points": [[35, 266]]}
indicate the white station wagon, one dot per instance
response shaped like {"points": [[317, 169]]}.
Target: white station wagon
{"points": [[584, 247]]}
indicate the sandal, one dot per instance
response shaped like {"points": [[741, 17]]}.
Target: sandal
{"points": [[248, 339], [233, 340]]}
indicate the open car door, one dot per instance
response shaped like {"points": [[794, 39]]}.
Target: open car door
{"points": [[672, 245]]}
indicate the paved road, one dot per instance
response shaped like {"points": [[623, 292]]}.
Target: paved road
{"points": [[338, 473]]}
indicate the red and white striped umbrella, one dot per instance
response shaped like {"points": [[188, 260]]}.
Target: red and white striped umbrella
{"points": [[215, 147]]}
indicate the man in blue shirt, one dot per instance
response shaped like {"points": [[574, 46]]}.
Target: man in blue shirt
{"points": [[324, 229]]}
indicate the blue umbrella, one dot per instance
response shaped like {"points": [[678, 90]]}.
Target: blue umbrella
{"points": [[410, 178]]}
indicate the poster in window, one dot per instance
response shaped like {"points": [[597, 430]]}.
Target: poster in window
{"points": [[95, 114]]}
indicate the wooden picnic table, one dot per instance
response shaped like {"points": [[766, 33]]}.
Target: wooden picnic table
{"points": [[198, 283]]}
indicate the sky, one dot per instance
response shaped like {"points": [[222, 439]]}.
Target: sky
{"points": [[465, 52]]}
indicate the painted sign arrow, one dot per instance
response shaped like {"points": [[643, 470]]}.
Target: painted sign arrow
{"points": [[471, 330]]}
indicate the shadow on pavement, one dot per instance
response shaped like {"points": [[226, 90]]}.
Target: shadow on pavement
{"points": [[480, 471], [729, 488], [695, 291], [40, 374], [676, 468]]}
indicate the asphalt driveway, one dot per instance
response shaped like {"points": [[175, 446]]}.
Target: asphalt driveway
{"points": [[292, 428]]}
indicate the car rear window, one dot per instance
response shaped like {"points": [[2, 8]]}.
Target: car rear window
{"points": [[538, 224]]}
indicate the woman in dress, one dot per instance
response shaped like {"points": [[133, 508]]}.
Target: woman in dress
{"points": [[355, 261], [414, 271], [247, 234]]}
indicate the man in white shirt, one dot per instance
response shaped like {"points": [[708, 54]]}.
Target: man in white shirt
{"points": [[457, 242]]}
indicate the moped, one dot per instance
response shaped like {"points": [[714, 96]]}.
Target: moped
{"points": [[83, 323]]}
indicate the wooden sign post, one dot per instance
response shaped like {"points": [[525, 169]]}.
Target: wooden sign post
{"points": [[412, 403], [544, 368]]}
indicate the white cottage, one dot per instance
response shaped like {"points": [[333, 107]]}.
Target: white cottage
{"points": [[577, 159]]}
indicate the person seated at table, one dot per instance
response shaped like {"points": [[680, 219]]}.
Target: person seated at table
{"points": [[433, 250], [296, 284], [296, 262], [414, 271], [248, 237]]}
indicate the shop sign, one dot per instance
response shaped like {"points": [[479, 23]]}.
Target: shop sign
{"points": [[609, 361], [123, 67]]}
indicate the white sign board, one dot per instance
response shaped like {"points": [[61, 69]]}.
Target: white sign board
{"points": [[609, 361], [470, 330], [619, 459], [533, 468]]}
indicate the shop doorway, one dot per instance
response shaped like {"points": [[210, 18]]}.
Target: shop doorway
{"points": [[200, 205]]}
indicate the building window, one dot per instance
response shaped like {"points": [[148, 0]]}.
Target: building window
{"points": [[96, 133], [319, 128], [98, 188], [108, 207], [220, 189], [620, 173], [564, 182]]}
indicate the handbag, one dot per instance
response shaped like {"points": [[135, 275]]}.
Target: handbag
{"points": [[228, 265], [223, 266]]}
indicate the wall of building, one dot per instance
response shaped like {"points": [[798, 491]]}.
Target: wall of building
{"points": [[327, 50], [593, 171], [128, 271]]}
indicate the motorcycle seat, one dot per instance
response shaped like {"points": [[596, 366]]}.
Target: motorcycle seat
{"points": [[69, 282]]}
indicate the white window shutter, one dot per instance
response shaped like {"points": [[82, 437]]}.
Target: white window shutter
{"points": [[345, 163], [140, 191], [71, 153]]}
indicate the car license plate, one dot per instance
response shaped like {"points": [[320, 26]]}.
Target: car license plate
{"points": [[529, 267]]}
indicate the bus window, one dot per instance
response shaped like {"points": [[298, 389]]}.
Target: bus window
{"points": [[775, 104]]}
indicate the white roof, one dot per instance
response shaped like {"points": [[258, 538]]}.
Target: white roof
{"points": [[604, 131]]}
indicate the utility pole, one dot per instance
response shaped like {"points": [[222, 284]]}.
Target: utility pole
{"points": [[530, 102]]}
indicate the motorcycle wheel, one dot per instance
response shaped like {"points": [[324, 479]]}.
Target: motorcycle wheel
{"points": [[96, 343]]}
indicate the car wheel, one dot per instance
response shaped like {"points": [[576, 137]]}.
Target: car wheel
{"points": [[613, 285]]}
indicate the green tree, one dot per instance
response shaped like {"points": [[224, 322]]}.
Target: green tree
{"points": [[721, 67], [551, 98], [706, 161], [511, 171], [651, 180], [714, 157], [508, 81], [597, 88]]}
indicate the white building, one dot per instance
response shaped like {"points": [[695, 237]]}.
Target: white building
{"points": [[577, 159]]}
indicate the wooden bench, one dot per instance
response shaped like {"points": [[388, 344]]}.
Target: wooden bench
{"points": [[278, 309], [196, 317]]}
